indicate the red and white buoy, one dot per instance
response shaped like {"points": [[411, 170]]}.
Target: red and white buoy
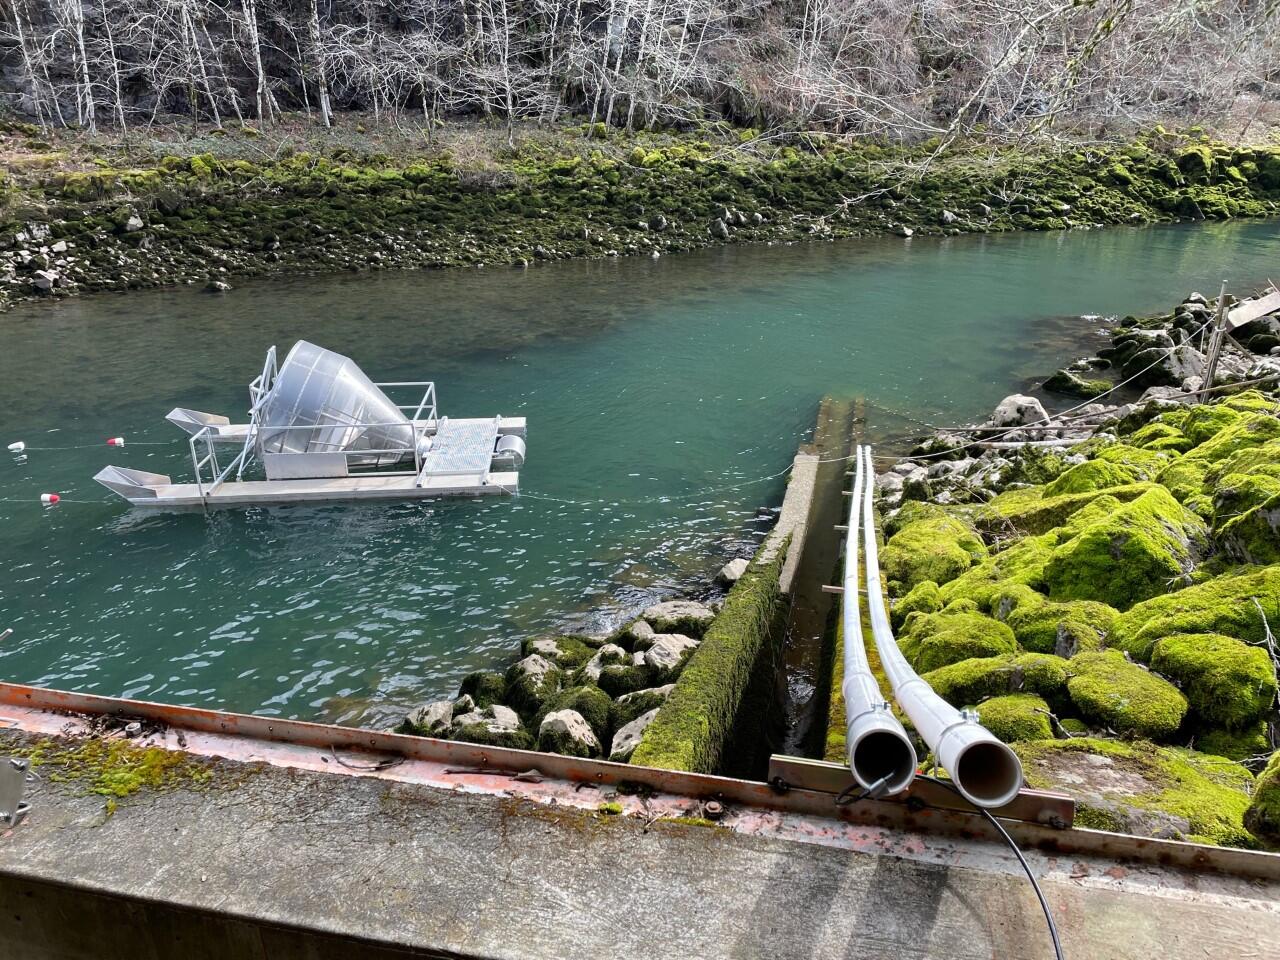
{"points": [[49, 499], [115, 442], [17, 447]]}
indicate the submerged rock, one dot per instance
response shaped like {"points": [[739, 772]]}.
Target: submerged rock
{"points": [[1069, 383]]}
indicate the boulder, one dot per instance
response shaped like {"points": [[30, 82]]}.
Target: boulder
{"points": [[1066, 382], [629, 706], [496, 726], [948, 218], [217, 286], [430, 719], [933, 640], [1018, 410], [931, 546], [132, 223], [679, 616], [668, 653], [1142, 789], [628, 737], [1262, 816], [1228, 683], [1016, 716], [567, 652], [1163, 366], [566, 732], [484, 687], [902, 230], [969, 682], [719, 230], [732, 571], [1124, 553], [589, 702], [1223, 605], [531, 683], [1063, 629], [45, 280], [1109, 690], [610, 653]]}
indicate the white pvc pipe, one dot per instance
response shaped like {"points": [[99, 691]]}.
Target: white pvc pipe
{"points": [[986, 772], [881, 756]]}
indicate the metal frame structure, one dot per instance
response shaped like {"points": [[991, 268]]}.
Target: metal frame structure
{"points": [[796, 786], [317, 466]]}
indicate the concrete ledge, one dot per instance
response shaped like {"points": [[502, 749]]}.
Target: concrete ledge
{"points": [[270, 861]]}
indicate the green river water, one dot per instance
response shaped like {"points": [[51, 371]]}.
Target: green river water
{"points": [[658, 393]]}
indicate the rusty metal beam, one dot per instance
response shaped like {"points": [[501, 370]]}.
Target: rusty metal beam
{"points": [[806, 787]]}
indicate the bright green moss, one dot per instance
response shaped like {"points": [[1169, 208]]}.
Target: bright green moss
{"points": [[1262, 817], [1263, 459], [1092, 475], [1029, 511], [1226, 682], [1246, 744], [1135, 552], [933, 640], [1144, 789], [1250, 401], [1019, 565], [113, 767], [937, 547], [1156, 436], [1063, 628], [971, 681], [1107, 689], [1204, 420], [527, 693], [485, 687], [923, 598], [691, 730], [1016, 716], [1223, 605], [1254, 535], [591, 702], [1185, 479], [1145, 464], [1251, 430]]}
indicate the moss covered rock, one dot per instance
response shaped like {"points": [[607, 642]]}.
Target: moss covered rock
{"points": [[1109, 690], [923, 598], [934, 640], [1092, 475], [1062, 628], [1246, 744], [1016, 716], [1157, 436], [934, 547], [531, 683], [591, 703], [1135, 552], [1143, 789], [484, 687], [568, 652], [1253, 535], [1262, 816], [629, 706], [1227, 682], [1030, 511], [1223, 605], [1145, 464], [1251, 430], [1017, 566]]}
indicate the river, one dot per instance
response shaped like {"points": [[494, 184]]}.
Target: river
{"points": [[664, 397]]}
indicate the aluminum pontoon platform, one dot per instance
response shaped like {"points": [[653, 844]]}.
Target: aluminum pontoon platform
{"points": [[320, 430]]}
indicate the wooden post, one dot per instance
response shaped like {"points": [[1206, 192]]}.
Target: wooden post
{"points": [[1215, 342]]}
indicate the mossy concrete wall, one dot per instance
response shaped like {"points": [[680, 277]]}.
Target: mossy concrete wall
{"points": [[730, 676]]}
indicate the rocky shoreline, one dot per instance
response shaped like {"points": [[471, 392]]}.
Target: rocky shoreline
{"points": [[1103, 584], [215, 210], [581, 695]]}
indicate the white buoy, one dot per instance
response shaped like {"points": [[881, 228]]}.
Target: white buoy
{"points": [[17, 447], [49, 499], [116, 442]]}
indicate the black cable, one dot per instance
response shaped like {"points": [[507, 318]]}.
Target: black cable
{"points": [[1017, 852]]}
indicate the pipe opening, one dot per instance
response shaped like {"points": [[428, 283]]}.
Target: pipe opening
{"points": [[988, 774], [882, 754]]}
